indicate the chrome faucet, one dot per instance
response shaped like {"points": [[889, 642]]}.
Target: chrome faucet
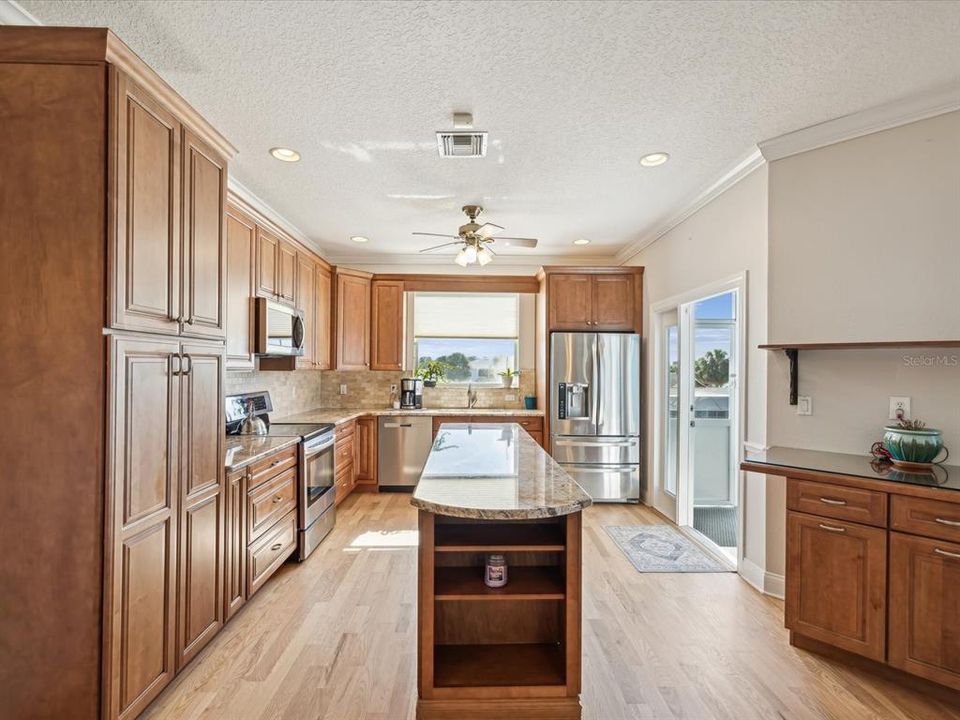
{"points": [[471, 395]]}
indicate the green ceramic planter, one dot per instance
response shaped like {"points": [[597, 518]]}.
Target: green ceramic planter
{"points": [[912, 446]]}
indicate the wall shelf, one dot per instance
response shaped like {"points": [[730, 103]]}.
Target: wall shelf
{"points": [[793, 351]]}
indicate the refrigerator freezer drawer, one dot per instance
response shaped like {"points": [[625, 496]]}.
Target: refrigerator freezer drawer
{"points": [[607, 483], [586, 450]]}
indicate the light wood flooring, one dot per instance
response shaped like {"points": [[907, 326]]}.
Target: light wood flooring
{"points": [[334, 638]]}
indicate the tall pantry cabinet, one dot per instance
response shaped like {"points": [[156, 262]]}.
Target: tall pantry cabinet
{"points": [[113, 308]]}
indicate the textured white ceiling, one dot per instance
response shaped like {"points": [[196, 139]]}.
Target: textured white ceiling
{"points": [[572, 94]]}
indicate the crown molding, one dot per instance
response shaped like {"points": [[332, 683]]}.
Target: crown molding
{"points": [[248, 201], [501, 260], [882, 117], [12, 14], [731, 177]]}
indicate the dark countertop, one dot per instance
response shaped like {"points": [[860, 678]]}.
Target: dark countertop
{"points": [[779, 460]]}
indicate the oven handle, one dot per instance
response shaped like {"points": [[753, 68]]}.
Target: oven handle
{"points": [[310, 451]]}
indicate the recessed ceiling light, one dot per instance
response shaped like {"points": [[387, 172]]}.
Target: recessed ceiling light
{"points": [[581, 241], [654, 159], [359, 238], [285, 154]]}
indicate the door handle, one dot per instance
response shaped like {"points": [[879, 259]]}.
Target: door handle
{"points": [[831, 501], [944, 521], [189, 364], [397, 425], [946, 553], [832, 528], [586, 443], [179, 368]]}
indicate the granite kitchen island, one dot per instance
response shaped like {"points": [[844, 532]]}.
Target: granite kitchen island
{"points": [[511, 651]]}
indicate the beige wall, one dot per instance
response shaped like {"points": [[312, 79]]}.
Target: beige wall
{"points": [[725, 238], [864, 245]]}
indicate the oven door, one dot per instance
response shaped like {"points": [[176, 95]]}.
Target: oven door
{"points": [[316, 478]]}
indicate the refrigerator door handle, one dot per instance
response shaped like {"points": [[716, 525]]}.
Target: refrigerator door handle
{"points": [[598, 390], [600, 468], [593, 443]]}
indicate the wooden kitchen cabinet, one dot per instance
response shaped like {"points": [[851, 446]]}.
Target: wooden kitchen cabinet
{"points": [[344, 458], [235, 577], [204, 251], [533, 424], [386, 325], [241, 282], [323, 314], [366, 447], [925, 607], [201, 543], [146, 249], [836, 583], [352, 303], [598, 299], [287, 267], [306, 302], [268, 268]]}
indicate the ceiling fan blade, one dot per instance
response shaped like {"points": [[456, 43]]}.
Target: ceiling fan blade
{"points": [[487, 229], [435, 235], [518, 242], [435, 247]]}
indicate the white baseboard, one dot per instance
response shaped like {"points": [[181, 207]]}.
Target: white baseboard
{"points": [[766, 582], [774, 585]]}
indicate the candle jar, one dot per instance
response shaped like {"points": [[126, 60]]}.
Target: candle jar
{"points": [[496, 571]]}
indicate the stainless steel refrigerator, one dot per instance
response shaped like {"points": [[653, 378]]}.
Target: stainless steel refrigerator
{"points": [[595, 407]]}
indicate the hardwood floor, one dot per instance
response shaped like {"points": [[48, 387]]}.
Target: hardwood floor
{"points": [[334, 638]]}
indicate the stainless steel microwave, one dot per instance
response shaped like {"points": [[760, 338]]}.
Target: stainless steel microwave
{"points": [[279, 328]]}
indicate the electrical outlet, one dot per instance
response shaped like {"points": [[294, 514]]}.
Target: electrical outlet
{"points": [[899, 404], [393, 388], [343, 388], [804, 405], [510, 397]]}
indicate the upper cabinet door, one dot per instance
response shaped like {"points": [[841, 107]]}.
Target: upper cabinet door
{"points": [[268, 275], [241, 287], [145, 257], [140, 617], [571, 299], [202, 548], [386, 325], [323, 314], [306, 287], [287, 263], [353, 322], [205, 257], [613, 302]]}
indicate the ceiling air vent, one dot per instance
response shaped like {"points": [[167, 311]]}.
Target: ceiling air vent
{"points": [[462, 144]]}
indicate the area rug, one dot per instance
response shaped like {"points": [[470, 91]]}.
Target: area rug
{"points": [[717, 523], [662, 549]]}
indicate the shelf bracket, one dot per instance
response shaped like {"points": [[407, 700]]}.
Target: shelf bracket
{"points": [[792, 355]]}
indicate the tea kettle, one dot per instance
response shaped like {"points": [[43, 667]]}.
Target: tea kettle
{"points": [[252, 425]]}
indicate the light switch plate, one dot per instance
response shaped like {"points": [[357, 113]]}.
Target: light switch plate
{"points": [[804, 405], [343, 388], [899, 403]]}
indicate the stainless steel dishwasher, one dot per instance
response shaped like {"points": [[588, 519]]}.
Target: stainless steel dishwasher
{"points": [[403, 446]]}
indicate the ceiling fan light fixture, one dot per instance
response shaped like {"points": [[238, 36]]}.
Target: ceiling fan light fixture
{"points": [[470, 253], [654, 159], [484, 256], [461, 259]]}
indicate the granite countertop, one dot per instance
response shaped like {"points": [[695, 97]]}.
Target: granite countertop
{"points": [[241, 450], [777, 460], [494, 471], [342, 415]]}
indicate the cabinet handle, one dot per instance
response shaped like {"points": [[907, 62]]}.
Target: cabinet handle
{"points": [[944, 521], [276, 462], [833, 528], [189, 364], [277, 546], [278, 498], [831, 501], [179, 368], [946, 553]]}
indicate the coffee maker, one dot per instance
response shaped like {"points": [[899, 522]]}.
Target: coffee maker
{"points": [[411, 393]]}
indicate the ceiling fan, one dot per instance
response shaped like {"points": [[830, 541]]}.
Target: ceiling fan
{"points": [[475, 240]]}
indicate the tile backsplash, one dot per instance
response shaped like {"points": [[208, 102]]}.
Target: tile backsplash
{"points": [[291, 391], [371, 388]]}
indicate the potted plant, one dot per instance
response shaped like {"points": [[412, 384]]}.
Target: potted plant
{"points": [[507, 376], [432, 372], [912, 444]]}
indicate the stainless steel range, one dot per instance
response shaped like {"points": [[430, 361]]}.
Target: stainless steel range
{"points": [[316, 514]]}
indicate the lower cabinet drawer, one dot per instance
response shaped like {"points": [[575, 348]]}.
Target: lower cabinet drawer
{"points": [[837, 501], [921, 516], [272, 466], [269, 552], [344, 452], [343, 482], [269, 502]]}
